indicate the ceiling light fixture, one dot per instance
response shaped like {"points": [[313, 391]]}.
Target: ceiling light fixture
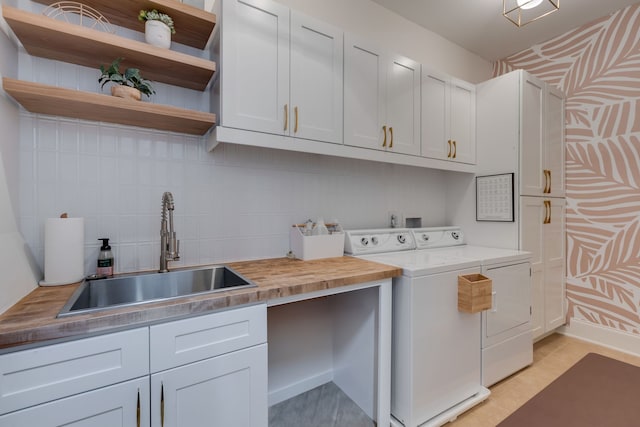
{"points": [[523, 12]]}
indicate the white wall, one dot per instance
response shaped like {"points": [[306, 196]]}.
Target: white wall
{"points": [[235, 203], [18, 273], [372, 21], [9, 114]]}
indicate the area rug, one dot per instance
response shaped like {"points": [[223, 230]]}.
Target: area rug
{"points": [[595, 392]]}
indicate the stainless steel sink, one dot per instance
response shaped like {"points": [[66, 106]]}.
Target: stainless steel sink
{"points": [[142, 288]]}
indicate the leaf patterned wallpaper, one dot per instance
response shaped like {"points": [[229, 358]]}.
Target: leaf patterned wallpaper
{"points": [[598, 68]]}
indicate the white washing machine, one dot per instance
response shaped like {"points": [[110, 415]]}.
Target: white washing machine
{"points": [[437, 363]]}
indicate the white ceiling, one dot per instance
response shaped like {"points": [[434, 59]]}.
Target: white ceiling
{"points": [[478, 25]]}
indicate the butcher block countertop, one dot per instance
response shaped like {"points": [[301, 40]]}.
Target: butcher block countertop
{"points": [[33, 319]]}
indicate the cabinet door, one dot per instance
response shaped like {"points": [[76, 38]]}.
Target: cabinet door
{"points": [[435, 115], [532, 214], [316, 80], [255, 77], [463, 121], [122, 405], [555, 141], [364, 94], [532, 159], [228, 390], [554, 270], [403, 106]]}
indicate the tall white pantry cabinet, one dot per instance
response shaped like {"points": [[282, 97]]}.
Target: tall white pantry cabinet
{"points": [[521, 130]]}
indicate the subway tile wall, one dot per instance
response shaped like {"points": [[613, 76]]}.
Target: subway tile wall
{"points": [[235, 203]]}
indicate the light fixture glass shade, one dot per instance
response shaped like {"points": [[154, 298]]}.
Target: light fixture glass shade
{"points": [[523, 12], [528, 4]]}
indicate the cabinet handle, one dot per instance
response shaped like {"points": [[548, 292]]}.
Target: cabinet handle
{"points": [[549, 175], [384, 131], [455, 149], [161, 405], [286, 116], [449, 152], [547, 178], [494, 302], [547, 212], [295, 112], [391, 133], [138, 410]]}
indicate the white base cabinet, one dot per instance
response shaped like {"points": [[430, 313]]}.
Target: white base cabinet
{"points": [[542, 234], [209, 370], [228, 390]]}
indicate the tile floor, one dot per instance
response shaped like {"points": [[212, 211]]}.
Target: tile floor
{"points": [[551, 357]]}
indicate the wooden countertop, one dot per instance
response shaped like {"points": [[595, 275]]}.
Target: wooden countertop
{"points": [[33, 319]]}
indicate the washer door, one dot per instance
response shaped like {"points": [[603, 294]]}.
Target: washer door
{"points": [[510, 313]]}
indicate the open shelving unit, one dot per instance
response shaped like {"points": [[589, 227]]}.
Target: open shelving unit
{"points": [[50, 38], [54, 39], [46, 99], [193, 25]]}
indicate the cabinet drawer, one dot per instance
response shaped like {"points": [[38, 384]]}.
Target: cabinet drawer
{"points": [[190, 340], [39, 375]]}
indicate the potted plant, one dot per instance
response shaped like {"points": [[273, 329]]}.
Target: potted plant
{"points": [[158, 28], [129, 84]]}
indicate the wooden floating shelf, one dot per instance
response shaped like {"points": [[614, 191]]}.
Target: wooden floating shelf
{"points": [[45, 99], [193, 25], [54, 39]]}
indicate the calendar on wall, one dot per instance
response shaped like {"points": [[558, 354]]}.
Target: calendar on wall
{"points": [[494, 197]]}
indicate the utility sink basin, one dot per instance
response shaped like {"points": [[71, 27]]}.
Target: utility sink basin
{"points": [[124, 291]]}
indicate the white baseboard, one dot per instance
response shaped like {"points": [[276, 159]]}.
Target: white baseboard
{"points": [[607, 337], [291, 390]]}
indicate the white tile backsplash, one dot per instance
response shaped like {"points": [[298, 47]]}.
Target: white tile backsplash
{"points": [[233, 204]]}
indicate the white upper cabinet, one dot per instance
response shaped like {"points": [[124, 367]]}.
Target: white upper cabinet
{"points": [[542, 152], [291, 82], [316, 80], [255, 77], [555, 143], [448, 118], [282, 72], [382, 99]]}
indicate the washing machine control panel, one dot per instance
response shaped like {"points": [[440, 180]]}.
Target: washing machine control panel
{"points": [[363, 242], [438, 237]]}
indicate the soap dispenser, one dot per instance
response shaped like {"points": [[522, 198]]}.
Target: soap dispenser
{"points": [[105, 259]]}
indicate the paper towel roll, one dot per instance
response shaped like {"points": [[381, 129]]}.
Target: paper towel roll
{"points": [[63, 251]]}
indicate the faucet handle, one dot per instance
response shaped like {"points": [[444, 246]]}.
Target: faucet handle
{"points": [[177, 252]]}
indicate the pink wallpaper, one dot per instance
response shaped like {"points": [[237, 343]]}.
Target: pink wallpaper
{"points": [[598, 68]]}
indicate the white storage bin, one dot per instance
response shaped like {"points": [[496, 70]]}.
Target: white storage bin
{"points": [[315, 247]]}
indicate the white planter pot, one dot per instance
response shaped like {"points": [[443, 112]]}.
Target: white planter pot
{"points": [[157, 33]]}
